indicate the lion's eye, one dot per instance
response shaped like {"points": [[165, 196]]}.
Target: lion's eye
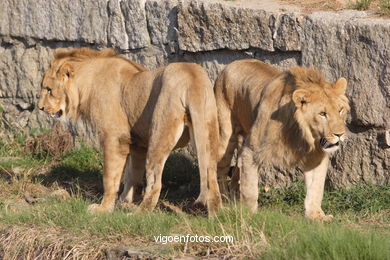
{"points": [[48, 90], [323, 114], [341, 111]]}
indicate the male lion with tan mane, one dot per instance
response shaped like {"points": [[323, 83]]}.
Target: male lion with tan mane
{"points": [[140, 117], [285, 119]]}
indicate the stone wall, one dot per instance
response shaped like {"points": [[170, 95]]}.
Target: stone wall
{"points": [[351, 44]]}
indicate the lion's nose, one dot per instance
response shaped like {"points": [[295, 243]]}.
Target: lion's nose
{"points": [[339, 135], [41, 108]]}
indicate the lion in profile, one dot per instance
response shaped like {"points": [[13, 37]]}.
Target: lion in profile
{"points": [[286, 119], [140, 116]]}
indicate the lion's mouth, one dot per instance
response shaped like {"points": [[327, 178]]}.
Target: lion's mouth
{"points": [[328, 146], [57, 115]]}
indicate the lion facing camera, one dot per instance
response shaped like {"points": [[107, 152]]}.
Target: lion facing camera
{"points": [[140, 117], [285, 119]]}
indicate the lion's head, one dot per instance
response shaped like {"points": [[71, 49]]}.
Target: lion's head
{"points": [[54, 98], [321, 108], [58, 96]]}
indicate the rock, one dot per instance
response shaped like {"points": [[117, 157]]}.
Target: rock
{"points": [[60, 193], [151, 57], [79, 20], [349, 45], [22, 119], [162, 21], [24, 105], [21, 70], [288, 34], [116, 31], [361, 159], [135, 23], [205, 26], [125, 253]]}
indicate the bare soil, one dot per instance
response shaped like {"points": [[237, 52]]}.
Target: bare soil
{"points": [[306, 6]]}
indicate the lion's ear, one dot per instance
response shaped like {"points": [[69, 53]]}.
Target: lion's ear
{"points": [[301, 97], [66, 71], [340, 86]]}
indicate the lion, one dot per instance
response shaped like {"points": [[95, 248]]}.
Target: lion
{"points": [[140, 116], [285, 119]]}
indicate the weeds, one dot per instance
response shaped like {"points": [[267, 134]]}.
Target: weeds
{"points": [[360, 4], [268, 234], [52, 143], [385, 6]]}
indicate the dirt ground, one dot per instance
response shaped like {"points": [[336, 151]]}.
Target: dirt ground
{"points": [[305, 6], [331, 5]]}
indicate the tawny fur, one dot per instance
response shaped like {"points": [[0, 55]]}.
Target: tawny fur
{"points": [[278, 116], [140, 117]]}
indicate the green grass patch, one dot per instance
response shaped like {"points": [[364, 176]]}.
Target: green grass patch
{"points": [[385, 6], [360, 4], [361, 199], [269, 234], [13, 154]]}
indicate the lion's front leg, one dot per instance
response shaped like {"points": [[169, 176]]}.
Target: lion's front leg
{"points": [[114, 163], [249, 179], [314, 182]]}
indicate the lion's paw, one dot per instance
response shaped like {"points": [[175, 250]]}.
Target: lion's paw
{"points": [[201, 200], [98, 209], [327, 218], [318, 215]]}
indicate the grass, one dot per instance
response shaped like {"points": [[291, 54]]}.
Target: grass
{"points": [[385, 6], [270, 233], [55, 227], [360, 4], [382, 7]]}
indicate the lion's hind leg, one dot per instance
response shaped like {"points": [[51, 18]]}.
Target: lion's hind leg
{"points": [[227, 144], [204, 134], [133, 177], [164, 136]]}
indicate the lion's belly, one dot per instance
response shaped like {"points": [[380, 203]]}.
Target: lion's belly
{"points": [[138, 142]]}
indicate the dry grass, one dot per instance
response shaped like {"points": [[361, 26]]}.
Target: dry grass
{"points": [[309, 6], [54, 143], [32, 243]]}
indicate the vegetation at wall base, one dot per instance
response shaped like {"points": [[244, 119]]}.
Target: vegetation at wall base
{"points": [[385, 6], [360, 4], [36, 222]]}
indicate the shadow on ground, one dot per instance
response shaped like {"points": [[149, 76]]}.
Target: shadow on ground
{"points": [[180, 180], [87, 183]]}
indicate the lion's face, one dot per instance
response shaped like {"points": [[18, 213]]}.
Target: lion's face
{"points": [[321, 112], [54, 98]]}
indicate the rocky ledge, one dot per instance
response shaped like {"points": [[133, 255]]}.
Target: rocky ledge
{"points": [[351, 44]]}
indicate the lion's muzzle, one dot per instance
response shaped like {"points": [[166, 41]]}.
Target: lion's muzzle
{"points": [[328, 146], [58, 114]]}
